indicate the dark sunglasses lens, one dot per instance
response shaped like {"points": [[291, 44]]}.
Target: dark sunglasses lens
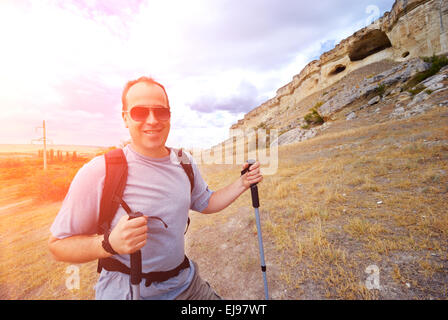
{"points": [[139, 113], [162, 114]]}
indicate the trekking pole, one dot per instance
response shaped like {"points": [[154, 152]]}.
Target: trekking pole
{"points": [[256, 205], [136, 257], [136, 266]]}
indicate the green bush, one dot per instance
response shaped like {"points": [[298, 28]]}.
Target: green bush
{"points": [[437, 63], [317, 105], [381, 89], [313, 117], [305, 126], [417, 90]]}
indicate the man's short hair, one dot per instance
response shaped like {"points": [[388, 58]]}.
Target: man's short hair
{"points": [[141, 79]]}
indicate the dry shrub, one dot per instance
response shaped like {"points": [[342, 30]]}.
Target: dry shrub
{"points": [[34, 182], [52, 185], [15, 168]]}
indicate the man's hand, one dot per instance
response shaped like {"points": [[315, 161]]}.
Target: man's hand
{"points": [[129, 236], [222, 198], [252, 176]]}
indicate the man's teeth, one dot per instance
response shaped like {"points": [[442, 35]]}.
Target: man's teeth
{"points": [[152, 131]]}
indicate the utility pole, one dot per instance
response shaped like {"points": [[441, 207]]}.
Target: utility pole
{"points": [[44, 140], [45, 146]]}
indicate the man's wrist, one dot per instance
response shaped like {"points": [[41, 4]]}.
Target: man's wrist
{"points": [[242, 185], [106, 244]]}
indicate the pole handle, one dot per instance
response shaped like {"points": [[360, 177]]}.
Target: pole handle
{"points": [[250, 162], [136, 267], [253, 187], [136, 258]]}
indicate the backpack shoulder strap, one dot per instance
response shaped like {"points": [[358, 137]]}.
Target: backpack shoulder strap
{"points": [[186, 165], [114, 184]]}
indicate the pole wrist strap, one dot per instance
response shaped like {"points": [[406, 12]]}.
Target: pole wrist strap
{"points": [[106, 244]]}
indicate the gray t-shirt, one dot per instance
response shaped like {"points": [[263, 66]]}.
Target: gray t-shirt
{"points": [[155, 187]]}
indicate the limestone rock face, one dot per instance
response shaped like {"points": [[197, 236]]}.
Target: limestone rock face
{"points": [[413, 28], [400, 73]]}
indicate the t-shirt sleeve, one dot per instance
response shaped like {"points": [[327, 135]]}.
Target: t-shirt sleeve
{"points": [[201, 193], [80, 209]]}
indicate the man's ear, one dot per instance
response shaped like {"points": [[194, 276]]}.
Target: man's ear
{"points": [[123, 115]]}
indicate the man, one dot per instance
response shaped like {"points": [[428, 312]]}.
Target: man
{"points": [[156, 186]]}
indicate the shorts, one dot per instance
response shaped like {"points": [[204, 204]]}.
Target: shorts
{"points": [[199, 289]]}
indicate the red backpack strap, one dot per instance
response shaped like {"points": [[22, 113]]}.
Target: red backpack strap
{"points": [[114, 184]]}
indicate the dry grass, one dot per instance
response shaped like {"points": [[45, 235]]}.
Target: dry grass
{"points": [[32, 181], [361, 229], [28, 271], [352, 198]]}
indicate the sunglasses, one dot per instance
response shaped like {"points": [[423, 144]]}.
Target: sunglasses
{"points": [[141, 113]]}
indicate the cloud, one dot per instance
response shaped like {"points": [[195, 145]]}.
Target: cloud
{"points": [[242, 100], [263, 34], [67, 61], [89, 94]]}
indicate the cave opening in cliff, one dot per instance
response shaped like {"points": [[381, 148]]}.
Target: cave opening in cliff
{"points": [[338, 69], [370, 43]]}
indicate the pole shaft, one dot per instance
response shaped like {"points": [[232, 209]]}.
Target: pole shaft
{"points": [[260, 238], [260, 245], [135, 291]]}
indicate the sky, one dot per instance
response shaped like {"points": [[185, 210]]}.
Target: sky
{"points": [[66, 62]]}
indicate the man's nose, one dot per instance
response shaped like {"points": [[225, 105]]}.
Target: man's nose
{"points": [[151, 117]]}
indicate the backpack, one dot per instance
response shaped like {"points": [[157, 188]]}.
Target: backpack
{"points": [[115, 183]]}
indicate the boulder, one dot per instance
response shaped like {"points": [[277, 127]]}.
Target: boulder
{"points": [[418, 98], [374, 100], [299, 134], [436, 81], [404, 96], [351, 116], [398, 111]]}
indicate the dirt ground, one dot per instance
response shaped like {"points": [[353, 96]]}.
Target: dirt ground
{"points": [[230, 259]]}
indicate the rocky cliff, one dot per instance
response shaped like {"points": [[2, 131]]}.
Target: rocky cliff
{"points": [[413, 28]]}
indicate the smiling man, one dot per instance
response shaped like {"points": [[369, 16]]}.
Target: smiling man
{"points": [[157, 187], [146, 113]]}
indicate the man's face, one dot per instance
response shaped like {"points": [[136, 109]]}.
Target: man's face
{"points": [[148, 136]]}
